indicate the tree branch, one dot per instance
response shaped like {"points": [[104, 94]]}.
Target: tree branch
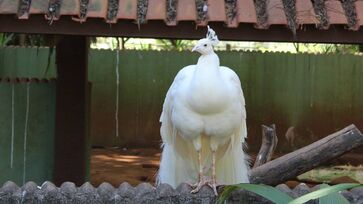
{"points": [[302, 160]]}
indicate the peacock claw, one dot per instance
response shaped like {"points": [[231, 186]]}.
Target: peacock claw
{"points": [[203, 182]]}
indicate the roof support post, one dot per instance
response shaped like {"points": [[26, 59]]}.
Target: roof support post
{"points": [[72, 138]]}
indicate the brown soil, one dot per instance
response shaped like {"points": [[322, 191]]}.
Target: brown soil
{"points": [[115, 165], [131, 165]]}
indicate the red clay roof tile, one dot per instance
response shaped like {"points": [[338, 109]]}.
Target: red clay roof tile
{"points": [[276, 14], [359, 9], [305, 13], [216, 10], [245, 11], [127, 9], [335, 12], [156, 10]]}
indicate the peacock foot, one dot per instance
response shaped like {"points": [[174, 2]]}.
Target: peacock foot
{"points": [[202, 182]]}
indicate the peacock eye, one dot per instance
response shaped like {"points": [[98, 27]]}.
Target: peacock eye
{"points": [[205, 45]]}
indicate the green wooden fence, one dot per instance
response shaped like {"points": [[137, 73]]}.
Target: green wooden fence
{"points": [[27, 131], [314, 94]]}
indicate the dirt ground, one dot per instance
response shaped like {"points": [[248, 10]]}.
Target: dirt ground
{"points": [[116, 165]]}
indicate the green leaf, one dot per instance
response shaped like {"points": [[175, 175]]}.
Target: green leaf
{"points": [[332, 198], [267, 192], [323, 192]]}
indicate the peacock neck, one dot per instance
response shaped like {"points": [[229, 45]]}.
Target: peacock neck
{"points": [[207, 89], [208, 61], [207, 72]]}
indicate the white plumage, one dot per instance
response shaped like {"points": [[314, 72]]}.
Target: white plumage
{"points": [[204, 124]]}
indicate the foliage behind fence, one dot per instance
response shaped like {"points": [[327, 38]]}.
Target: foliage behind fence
{"points": [[307, 96]]}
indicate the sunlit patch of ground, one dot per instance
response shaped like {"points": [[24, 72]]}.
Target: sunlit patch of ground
{"points": [[119, 165], [334, 174]]}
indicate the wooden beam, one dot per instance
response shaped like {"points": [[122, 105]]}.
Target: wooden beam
{"points": [[184, 30], [302, 160], [71, 110]]}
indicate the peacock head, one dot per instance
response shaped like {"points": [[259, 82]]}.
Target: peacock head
{"points": [[205, 46]]}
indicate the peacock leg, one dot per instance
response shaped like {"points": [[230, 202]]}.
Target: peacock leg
{"points": [[213, 184], [201, 181]]}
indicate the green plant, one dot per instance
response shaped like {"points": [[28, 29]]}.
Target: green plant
{"points": [[5, 38], [326, 194], [170, 44]]}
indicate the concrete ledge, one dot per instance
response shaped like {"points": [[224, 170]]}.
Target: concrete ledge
{"points": [[144, 193]]}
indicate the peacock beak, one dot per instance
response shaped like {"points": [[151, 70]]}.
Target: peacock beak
{"points": [[195, 48]]}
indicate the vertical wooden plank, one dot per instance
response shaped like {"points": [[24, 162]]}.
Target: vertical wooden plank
{"points": [[102, 65], [9, 64], [5, 130], [19, 123], [357, 83], [128, 98], [41, 129], [26, 62]]}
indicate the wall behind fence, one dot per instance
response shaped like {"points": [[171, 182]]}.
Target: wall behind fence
{"points": [[307, 96]]}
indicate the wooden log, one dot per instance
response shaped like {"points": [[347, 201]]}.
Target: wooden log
{"points": [[302, 160], [269, 142]]}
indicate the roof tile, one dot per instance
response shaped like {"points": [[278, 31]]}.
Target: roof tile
{"points": [[359, 8], [70, 7], [8, 6], [276, 14], [305, 13], [39, 7], [156, 10], [216, 10], [246, 12], [335, 12], [97, 9], [186, 11], [243, 11], [127, 9]]}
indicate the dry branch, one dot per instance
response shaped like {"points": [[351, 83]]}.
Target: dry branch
{"points": [[269, 142], [302, 160]]}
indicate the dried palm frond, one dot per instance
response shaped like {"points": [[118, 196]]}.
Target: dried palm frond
{"points": [[171, 8], [53, 10], [202, 10], [261, 12], [321, 13], [142, 11], [231, 9], [24, 6], [350, 12], [290, 13]]}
